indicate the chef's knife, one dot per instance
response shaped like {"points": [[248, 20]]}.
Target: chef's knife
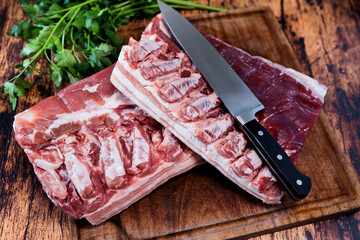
{"points": [[238, 99]]}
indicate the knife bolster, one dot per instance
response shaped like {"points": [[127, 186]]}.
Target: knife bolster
{"points": [[249, 115]]}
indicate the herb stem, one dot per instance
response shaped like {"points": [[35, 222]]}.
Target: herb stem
{"points": [[49, 59], [120, 9], [75, 55], [71, 19], [121, 4], [74, 43]]}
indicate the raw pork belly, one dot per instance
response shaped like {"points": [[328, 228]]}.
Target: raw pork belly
{"points": [[95, 152], [160, 78]]}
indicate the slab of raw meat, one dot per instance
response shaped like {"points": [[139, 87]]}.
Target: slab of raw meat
{"points": [[160, 78], [95, 152]]}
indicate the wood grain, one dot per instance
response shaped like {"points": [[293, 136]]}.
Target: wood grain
{"points": [[325, 36]]}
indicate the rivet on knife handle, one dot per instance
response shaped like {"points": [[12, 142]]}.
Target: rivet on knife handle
{"points": [[296, 184]]}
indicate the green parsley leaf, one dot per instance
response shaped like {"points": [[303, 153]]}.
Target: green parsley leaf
{"points": [[95, 28], [31, 47], [24, 84], [44, 34], [80, 20], [24, 27], [72, 79], [94, 59], [103, 51], [29, 9], [56, 75], [9, 89], [77, 37], [15, 29], [115, 39], [19, 90], [83, 67], [65, 58], [55, 7]]}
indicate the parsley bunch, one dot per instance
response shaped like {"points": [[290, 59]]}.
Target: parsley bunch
{"points": [[81, 35]]}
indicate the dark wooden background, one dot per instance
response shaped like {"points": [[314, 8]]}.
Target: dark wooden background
{"points": [[325, 35]]}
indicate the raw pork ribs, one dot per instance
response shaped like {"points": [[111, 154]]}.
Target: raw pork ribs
{"points": [[160, 78], [95, 152]]}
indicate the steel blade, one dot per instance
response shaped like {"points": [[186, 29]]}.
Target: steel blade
{"points": [[230, 88]]}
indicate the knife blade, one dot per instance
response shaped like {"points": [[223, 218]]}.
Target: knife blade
{"points": [[238, 99]]}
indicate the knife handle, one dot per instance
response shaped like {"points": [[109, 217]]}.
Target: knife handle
{"points": [[270, 151]]}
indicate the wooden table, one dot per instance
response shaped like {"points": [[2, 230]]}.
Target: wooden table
{"points": [[326, 38]]}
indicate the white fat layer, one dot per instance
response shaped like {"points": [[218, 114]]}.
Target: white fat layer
{"points": [[111, 160], [152, 38], [112, 102], [141, 187], [28, 151], [164, 29], [290, 152], [141, 149], [55, 186], [123, 100], [148, 28], [150, 86], [90, 89], [115, 100], [78, 172], [192, 81], [247, 171], [218, 127], [265, 172], [150, 44], [88, 136], [208, 152], [31, 136], [91, 200], [146, 100], [254, 159], [162, 66], [57, 150], [206, 103], [114, 116], [48, 166], [69, 139], [29, 116], [79, 116]]}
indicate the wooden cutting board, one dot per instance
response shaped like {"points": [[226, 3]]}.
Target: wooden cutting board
{"points": [[204, 204]]}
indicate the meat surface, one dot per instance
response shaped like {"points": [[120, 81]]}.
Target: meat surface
{"points": [[180, 99], [95, 152]]}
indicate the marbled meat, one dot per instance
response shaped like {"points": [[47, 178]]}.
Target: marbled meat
{"points": [[160, 78], [95, 152]]}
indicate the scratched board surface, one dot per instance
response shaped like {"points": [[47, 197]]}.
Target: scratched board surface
{"points": [[204, 204]]}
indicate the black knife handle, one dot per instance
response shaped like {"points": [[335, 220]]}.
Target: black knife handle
{"points": [[270, 151]]}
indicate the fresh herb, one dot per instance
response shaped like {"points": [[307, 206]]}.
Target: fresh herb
{"points": [[78, 38]]}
